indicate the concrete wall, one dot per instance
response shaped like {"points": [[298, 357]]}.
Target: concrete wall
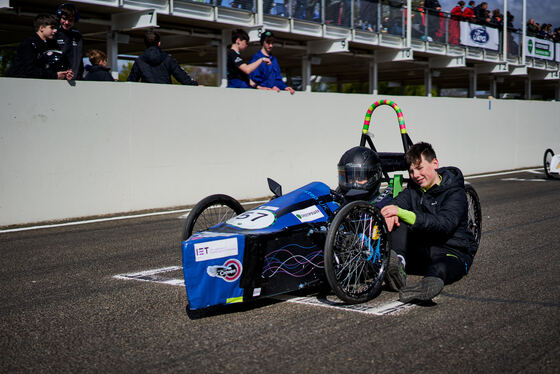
{"points": [[99, 148]]}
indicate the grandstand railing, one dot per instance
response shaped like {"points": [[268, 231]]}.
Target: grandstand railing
{"points": [[375, 17]]}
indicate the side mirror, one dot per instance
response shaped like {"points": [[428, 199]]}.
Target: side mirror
{"points": [[275, 188]]}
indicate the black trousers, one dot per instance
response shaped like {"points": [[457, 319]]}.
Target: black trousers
{"points": [[426, 259]]}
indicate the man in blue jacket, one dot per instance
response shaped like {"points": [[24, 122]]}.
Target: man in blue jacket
{"points": [[428, 224], [268, 77]]}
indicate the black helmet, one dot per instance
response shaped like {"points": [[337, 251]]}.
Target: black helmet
{"points": [[359, 168], [54, 61]]}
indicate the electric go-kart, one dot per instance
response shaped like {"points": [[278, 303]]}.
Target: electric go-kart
{"points": [[551, 165], [305, 238]]}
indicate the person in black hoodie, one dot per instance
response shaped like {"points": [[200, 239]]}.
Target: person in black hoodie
{"points": [[156, 66], [32, 53], [69, 39], [428, 224], [98, 71]]}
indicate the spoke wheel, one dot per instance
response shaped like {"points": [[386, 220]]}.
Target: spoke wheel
{"points": [[548, 154], [209, 212], [356, 252], [474, 213]]}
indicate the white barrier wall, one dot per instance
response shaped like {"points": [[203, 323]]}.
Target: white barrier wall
{"points": [[99, 148]]}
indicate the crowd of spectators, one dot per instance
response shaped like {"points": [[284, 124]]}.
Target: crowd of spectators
{"points": [[543, 31], [55, 50]]}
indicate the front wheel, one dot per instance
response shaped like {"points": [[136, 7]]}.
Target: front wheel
{"points": [[548, 154], [474, 222], [211, 211], [356, 252]]}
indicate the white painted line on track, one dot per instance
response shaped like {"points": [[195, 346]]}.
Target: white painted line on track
{"points": [[245, 203], [151, 276], [97, 220], [378, 310], [523, 180], [502, 173], [73, 223]]}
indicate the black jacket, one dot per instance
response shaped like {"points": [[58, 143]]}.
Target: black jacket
{"points": [[156, 66], [441, 212], [71, 44], [27, 62], [98, 73]]}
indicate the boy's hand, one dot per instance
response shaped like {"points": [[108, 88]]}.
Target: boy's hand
{"points": [[69, 75], [390, 213]]}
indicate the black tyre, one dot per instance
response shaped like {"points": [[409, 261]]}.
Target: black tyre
{"points": [[474, 213], [356, 252], [548, 154], [211, 211]]}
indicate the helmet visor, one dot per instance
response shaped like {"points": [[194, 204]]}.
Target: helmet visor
{"points": [[356, 176]]}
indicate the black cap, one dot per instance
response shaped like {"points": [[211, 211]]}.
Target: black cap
{"points": [[266, 34]]}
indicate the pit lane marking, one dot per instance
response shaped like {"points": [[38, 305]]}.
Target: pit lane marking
{"points": [[153, 275], [523, 180], [378, 310]]}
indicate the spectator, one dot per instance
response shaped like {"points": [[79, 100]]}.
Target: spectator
{"points": [[556, 35], [468, 12], [433, 8], [268, 76], [69, 39], [98, 71], [419, 22], [532, 28], [497, 18], [510, 19], [306, 9], [428, 225], [237, 70], [481, 13], [156, 66], [368, 14], [454, 25], [546, 31], [28, 62]]}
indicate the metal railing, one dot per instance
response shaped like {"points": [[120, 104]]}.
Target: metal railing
{"points": [[386, 17]]}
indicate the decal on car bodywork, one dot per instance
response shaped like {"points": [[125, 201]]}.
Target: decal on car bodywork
{"points": [[215, 249], [309, 214], [230, 271], [253, 219]]}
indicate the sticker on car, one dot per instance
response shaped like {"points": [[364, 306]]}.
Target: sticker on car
{"points": [[215, 249], [253, 219], [309, 214]]}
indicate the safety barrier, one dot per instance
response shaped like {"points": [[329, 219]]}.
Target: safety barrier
{"points": [[100, 148]]}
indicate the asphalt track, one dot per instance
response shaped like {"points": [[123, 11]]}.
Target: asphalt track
{"points": [[63, 309]]}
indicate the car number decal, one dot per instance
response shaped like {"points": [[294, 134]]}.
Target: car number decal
{"points": [[253, 219]]}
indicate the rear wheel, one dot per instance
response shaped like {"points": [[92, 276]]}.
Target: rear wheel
{"points": [[548, 154], [211, 211], [356, 252], [474, 213]]}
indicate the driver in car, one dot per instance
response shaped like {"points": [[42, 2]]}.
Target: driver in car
{"points": [[428, 225]]}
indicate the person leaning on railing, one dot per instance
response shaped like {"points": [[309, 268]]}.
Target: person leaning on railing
{"points": [[532, 28]]}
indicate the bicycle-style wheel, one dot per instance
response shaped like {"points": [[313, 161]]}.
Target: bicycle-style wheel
{"points": [[548, 154], [211, 211], [356, 252], [474, 213]]}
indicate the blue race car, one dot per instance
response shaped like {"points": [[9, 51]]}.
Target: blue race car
{"points": [[308, 237]]}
